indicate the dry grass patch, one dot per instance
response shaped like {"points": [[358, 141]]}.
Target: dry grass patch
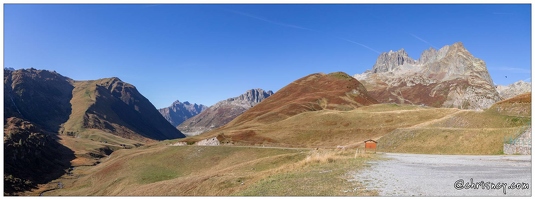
{"points": [[331, 128], [215, 171], [485, 119], [447, 140], [321, 173]]}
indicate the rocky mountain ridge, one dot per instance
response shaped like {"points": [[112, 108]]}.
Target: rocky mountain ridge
{"points": [[223, 112], [448, 77]]}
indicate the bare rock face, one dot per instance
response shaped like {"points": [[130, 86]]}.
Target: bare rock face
{"points": [[179, 112], [223, 112], [448, 77], [388, 61], [514, 89]]}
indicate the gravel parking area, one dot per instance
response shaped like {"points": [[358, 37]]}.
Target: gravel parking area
{"points": [[448, 175]]}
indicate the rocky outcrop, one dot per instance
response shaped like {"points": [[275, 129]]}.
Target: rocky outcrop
{"points": [[208, 142], [250, 98], [179, 112], [448, 77], [514, 89], [223, 112]]}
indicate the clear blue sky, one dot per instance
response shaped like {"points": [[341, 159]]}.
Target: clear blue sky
{"points": [[207, 53]]}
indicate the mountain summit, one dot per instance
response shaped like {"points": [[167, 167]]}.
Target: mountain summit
{"points": [[448, 77]]}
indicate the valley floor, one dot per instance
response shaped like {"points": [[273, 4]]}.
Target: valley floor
{"points": [[439, 175]]}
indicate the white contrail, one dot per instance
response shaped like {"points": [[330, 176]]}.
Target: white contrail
{"points": [[299, 27], [270, 21], [421, 40], [367, 47]]}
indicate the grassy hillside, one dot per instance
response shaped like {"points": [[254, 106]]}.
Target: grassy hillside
{"points": [[519, 105], [334, 91], [466, 132], [85, 141], [471, 141], [330, 128], [217, 171]]}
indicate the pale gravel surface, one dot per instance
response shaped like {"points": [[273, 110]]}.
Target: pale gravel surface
{"points": [[435, 175]]}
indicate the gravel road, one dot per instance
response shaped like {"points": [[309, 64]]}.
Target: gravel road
{"points": [[437, 175]]}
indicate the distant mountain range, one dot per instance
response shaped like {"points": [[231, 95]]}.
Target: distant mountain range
{"points": [[448, 77], [223, 112], [179, 112]]}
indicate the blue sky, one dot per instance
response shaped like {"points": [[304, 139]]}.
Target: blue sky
{"points": [[207, 53]]}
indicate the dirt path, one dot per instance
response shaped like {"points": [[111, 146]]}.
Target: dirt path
{"points": [[426, 123], [436, 175]]}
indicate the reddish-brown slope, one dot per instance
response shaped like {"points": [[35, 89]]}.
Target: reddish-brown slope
{"points": [[519, 105], [434, 94], [521, 98], [336, 91]]}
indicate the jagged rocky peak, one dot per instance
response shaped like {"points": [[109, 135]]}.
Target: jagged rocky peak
{"points": [[389, 61], [179, 112], [458, 47], [428, 55], [255, 95], [432, 55]]}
